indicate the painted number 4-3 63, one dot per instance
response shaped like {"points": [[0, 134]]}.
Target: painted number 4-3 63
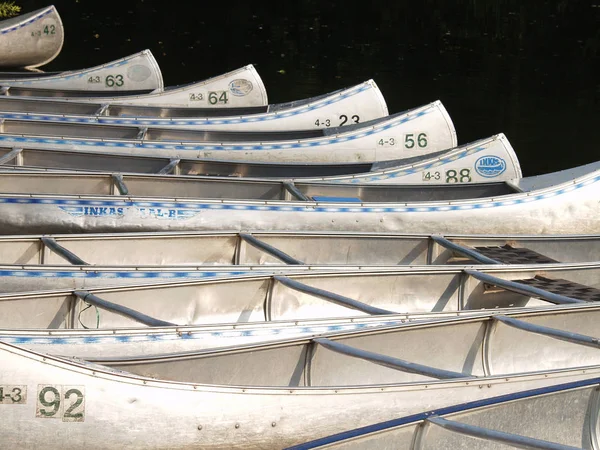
{"points": [[61, 402]]}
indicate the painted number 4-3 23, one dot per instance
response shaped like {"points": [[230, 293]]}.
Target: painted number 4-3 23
{"points": [[61, 402]]}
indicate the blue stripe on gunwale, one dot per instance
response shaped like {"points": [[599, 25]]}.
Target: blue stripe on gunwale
{"points": [[190, 208], [198, 335], [212, 146], [462, 407], [157, 122], [51, 273], [27, 22]]}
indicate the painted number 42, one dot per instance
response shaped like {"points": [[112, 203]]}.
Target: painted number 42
{"points": [[58, 401]]}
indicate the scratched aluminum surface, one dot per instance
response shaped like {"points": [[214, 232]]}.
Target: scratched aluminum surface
{"points": [[268, 396], [194, 249], [192, 94], [32, 39], [214, 296], [565, 414], [53, 203], [222, 106], [441, 167], [137, 72]]}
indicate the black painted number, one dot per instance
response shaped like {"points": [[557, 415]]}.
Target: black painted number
{"points": [[218, 97], [325, 123], [344, 119], [196, 97], [114, 80]]}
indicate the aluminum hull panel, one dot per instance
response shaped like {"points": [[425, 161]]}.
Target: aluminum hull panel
{"points": [[31, 40], [212, 248], [567, 208], [369, 141], [195, 298], [360, 103], [425, 169], [144, 341], [564, 415], [136, 72], [220, 416]]}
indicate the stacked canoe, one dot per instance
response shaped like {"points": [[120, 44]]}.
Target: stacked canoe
{"points": [[193, 267]]}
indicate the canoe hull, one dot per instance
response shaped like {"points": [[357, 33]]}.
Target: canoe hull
{"points": [[136, 72], [31, 40], [97, 406]]}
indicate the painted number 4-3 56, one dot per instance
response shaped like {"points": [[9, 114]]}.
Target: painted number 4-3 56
{"points": [[61, 402]]}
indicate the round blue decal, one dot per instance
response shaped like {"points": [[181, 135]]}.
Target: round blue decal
{"points": [[490, 166]]}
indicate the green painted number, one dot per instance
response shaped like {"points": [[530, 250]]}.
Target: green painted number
{"points": [[465, 175], [78, 401], [409, 140], [217, 97], [53, 403], [114, 80], [49, 30]]}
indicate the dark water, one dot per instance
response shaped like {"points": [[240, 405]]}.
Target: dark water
{"points": [[528, 69]]}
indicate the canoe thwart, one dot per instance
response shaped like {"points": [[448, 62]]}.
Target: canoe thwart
{"points": [[61, 251], [389, 361], [568, 336], [273, 251], [173, 163], [521, 288], [10, 155], [120, 184], [294, 191], [512, 255], [121, 310], [514, 440], [330, 296], [462, 250]]}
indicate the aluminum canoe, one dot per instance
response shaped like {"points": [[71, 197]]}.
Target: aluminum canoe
{"points": [[433, 168], [172, 296], [560, 417], [196, 249], [285, 393], [417, 132], [356, 104], [192, 95], [138, 72], [564, 202], [32, 39], [88, 337]]}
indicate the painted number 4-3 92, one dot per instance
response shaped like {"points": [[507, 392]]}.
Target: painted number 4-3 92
{"points": [[61, 402]]}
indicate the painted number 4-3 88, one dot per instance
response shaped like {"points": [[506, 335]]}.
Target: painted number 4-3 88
{"points": [[61, 402]]}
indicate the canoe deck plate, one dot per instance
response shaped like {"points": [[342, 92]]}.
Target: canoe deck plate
{"points": [[513, 255], [563, 287]]}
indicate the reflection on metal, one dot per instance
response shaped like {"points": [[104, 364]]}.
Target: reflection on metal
{"points": [[388, 361], [552, 332], [514, 440], [121, 310], [464, 251], [330, 296], [273, 251], [522, 288], [69, 256]]}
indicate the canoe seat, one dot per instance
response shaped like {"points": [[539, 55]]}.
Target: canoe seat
{"points": [[563, 287], [514, 255]]}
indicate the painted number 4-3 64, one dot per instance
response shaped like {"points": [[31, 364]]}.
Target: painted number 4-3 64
{"points": [[61, 402]]}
